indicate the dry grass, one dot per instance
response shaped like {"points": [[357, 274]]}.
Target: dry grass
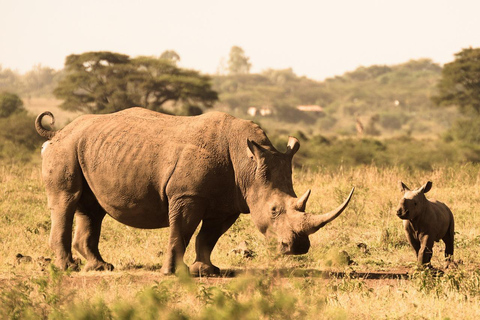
{"points": [[137, 254]]}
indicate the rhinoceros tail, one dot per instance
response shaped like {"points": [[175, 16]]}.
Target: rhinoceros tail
{"points": [[47, 134]]}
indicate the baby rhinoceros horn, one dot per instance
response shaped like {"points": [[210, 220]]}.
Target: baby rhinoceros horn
{"points": [[314, 222]]}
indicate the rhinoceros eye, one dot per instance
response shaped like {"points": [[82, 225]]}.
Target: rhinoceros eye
{"points": [[275, 211]]}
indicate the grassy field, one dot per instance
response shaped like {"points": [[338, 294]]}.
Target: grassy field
{"points": [[359, 266]]}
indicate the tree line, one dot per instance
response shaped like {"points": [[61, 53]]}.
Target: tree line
{"points": [[99, 82], [102, 82]]}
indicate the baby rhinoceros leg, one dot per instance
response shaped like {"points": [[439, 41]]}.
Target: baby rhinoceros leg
{"points": [[448, 240], [426, 251]]}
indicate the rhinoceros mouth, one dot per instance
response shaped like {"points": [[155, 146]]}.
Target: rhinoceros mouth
{"points": [[403, 214], [299, 245]]}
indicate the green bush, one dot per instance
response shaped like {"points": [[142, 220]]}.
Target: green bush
{"points": [[290, 114], [393, 120], [402, 151], [9, 103], [465, 130], [18, 137]]}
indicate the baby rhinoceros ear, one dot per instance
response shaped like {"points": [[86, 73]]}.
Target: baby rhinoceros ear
{"points": [[402, 186], [425, 188]]}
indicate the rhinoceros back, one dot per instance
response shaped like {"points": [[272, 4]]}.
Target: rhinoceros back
{"points": [[134, 160]]}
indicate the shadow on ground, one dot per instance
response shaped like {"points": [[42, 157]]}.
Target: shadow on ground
{"points": [[314, 273]]}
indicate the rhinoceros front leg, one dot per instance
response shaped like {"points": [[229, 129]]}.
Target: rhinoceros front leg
{"points": [[211, 231], [185, 215], [87, 237]]}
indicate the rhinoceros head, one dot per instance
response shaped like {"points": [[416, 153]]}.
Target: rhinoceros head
{"points": [[274, 207], [413, 202]]}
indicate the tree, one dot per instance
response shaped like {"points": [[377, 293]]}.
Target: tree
{"points": [[460, 82], [102, 82], [94, 82], [9, 104], [9, 80], [38, 78], [170, 55], [158, 81], [238, 62], [18, 137]]}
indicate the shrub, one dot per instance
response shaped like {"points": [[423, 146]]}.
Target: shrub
{"points": [[291, 115], [465, 130], [18, 137], [393, 121], [9, 103]]}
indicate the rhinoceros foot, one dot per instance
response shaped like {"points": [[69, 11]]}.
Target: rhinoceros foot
{"points": [[98, 266], [68, 264], [170, 268], [199, 269], [450, 264]]}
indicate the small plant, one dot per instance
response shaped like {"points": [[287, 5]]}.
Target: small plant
{"points": [[442, 285], [392, 238], [349, 284]]}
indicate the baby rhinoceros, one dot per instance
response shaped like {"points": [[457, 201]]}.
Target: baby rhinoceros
{"points": [[425, 222]]}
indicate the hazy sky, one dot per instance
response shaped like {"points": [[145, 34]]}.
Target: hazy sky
{"points": [[316, 38]]}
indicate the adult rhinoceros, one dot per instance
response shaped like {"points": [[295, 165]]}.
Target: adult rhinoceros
{"points": [[151, 170]]}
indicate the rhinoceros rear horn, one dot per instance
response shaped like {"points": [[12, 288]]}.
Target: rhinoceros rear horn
{"points": [[315, 222], [292, 146], [302, 201]]}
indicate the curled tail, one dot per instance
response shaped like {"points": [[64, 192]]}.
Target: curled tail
{"points": [[47, 134]]}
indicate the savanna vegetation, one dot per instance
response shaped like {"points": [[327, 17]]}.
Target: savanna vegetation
{"points": [[340, 277], [414, 122]]}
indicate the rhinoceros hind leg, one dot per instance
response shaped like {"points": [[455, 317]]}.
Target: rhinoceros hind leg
{"points": [[87, 235], [62, 206], [64, 185]]}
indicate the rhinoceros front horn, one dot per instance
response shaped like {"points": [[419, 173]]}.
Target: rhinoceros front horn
{"points": [[315, 222]]}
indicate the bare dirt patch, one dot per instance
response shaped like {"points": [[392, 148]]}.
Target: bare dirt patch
{"points": [[141, 277]]}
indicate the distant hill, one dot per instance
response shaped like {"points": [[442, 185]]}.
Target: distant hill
{"points": [[376, 100]]}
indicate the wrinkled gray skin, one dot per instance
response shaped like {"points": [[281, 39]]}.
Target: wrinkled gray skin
{"points": [[151, 170], [425, 222]]}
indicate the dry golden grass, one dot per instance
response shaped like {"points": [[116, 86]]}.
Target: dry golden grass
{"points": [[300, 292]]}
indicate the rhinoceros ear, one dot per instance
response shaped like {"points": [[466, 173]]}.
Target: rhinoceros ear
{"points": [[402, 186], [425, 188], [254, 150], [292, 146]]}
